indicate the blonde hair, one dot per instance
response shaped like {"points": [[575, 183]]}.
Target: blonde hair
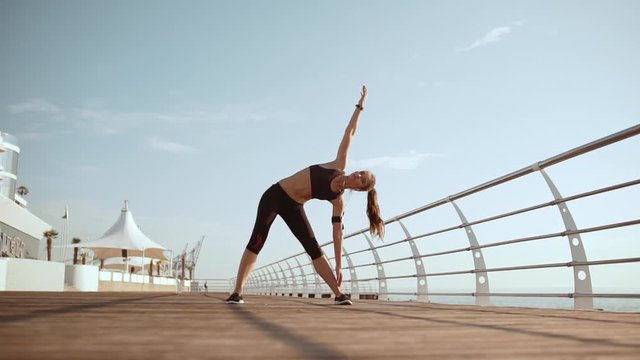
{"points": [[376, 225]]}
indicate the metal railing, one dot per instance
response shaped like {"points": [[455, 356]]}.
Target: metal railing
{"points": [[295, 276], [211, 285]]}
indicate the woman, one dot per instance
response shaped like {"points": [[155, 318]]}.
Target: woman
{"points": [[286, 198]]}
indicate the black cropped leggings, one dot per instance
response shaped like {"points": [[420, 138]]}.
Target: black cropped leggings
{"points": [[275, 201]]}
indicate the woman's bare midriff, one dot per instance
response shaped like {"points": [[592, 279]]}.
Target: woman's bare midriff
{"points": [[298, 186]]}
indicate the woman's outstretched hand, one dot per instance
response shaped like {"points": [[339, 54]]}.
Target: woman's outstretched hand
{"points": [[363, 96], [339, 276]]}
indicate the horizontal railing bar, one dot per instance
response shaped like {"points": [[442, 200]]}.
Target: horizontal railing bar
{"points": [[619, 296], [535, 295], [359, 266], [599, 191], [564, 233], [407, 239], [512, 294], [358, 252], [555, 202], [380, 246], [510, 268], [605, 262], [539, 266], [596, 144], [603, 227], [430, 293]]}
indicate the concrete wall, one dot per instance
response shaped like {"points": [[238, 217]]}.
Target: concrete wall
{"points": [[126, 286], [21, 226], [118, 281], [82, 277], [31, 275], [3, 275]]}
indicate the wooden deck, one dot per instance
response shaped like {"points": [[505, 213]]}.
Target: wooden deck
{"points": [[193, 326]]}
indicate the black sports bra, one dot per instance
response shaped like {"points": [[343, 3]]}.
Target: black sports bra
{"points": [[321, 182]]}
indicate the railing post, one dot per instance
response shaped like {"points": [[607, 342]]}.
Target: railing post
{"points": [[581, 275], [249, 284], [305, 290], [482, 278], [293, 279], [382, 278], [266, 281], [254, 281], [257, 280], [286, 280], [282, 282], [421, 275], [318, 284], [276, 278], [353, 276]]}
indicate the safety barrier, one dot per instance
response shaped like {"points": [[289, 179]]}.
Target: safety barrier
{"points": [[212, 285]]}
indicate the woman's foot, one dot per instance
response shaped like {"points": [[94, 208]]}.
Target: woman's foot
{"points": [[235, 298], [342, 300]]}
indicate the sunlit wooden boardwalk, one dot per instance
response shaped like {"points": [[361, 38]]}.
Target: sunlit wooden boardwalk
{"points": [[193, 326]]}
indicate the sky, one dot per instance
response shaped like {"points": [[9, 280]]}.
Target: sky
{"points": [[190, 110]]}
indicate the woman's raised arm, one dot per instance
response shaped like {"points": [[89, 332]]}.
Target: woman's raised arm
{"points": [[349, 132]]}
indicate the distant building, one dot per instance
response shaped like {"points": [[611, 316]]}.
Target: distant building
{"points": [[20, 230]]}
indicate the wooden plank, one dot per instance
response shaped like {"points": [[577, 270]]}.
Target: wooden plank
{"points": [[195, 325]]}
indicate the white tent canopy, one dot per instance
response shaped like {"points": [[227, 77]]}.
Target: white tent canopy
{"points": [[124, 235]]}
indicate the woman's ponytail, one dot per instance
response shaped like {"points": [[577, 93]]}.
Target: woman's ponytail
{"points": [[376, 225]]}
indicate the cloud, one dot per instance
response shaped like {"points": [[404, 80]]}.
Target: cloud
{"points": [[33, 105], [493, 35], [408, 161], [167, 146], [33, 135], [108, 122], [98, 118], [105, 121]]}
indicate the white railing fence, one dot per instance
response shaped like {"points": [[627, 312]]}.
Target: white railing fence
{"points": [[212, 285]]}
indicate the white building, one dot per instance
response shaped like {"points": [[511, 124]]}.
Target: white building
{"points": [[20, 230]]}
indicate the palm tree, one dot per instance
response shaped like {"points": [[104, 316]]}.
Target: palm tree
{"points": [[22, 190], [50, 235], [183, 259], [75, 250]]}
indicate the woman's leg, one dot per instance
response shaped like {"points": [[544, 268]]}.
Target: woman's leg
{"points": [[299, 225], [323, 268], [266, 214], [246, 266]]}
